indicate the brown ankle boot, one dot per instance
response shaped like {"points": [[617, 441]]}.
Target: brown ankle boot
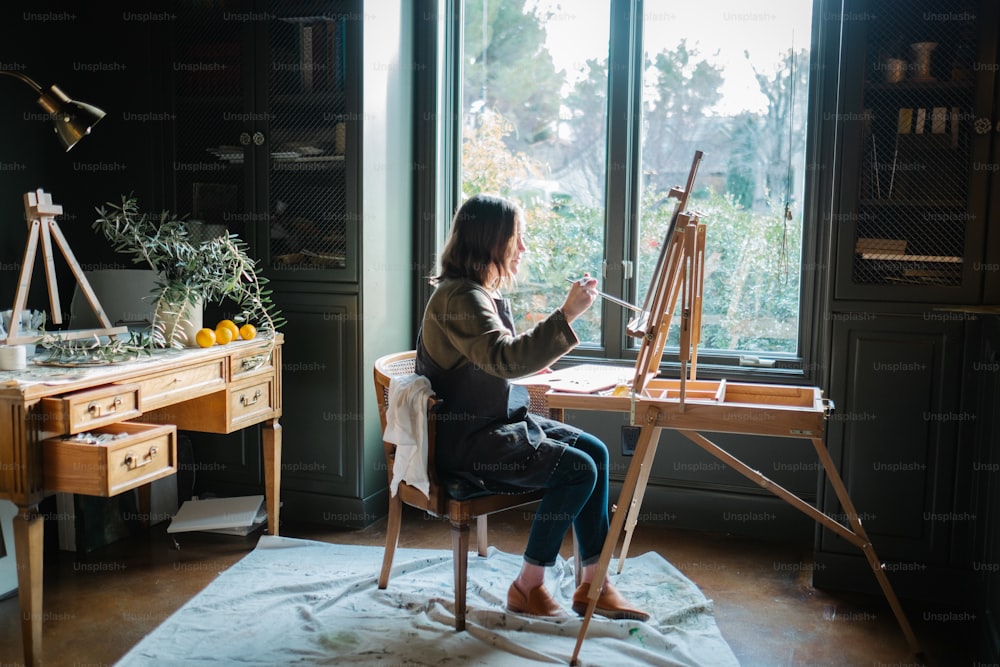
{"points": [[610, 604], [537, 602]]}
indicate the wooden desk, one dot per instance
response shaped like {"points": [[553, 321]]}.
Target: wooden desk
{"points": [[217, 390]]}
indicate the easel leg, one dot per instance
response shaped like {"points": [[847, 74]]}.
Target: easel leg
{"points": [[867, 549], [24, 280], [766, 483], [635, 506], [644, 453], [50, 271], [855, 534]]}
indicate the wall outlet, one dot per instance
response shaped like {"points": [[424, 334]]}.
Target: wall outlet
{"points": [[630, 436]]}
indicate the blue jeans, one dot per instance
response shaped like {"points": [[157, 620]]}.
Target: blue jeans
{"points": [[577, 496]]}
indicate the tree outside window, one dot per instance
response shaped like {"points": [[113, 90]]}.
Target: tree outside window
{"points": [[535, 127]]}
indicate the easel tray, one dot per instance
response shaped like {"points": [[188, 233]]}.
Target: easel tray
{"points": [[714, 406]]}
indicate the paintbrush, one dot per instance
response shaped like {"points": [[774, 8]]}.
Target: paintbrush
{"points": [[612, 299]]}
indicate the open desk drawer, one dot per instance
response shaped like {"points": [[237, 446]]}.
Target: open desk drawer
{"points": [[137, 454], [84, 410]]}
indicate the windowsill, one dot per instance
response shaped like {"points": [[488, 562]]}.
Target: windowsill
{"points": [[708, 371]]}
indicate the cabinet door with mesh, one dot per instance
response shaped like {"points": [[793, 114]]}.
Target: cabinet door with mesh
{"points": [[915, 230], [312, 120], [212, 163]]}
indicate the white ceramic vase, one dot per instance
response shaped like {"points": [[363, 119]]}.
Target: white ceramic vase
{"points": [[179, 325]]}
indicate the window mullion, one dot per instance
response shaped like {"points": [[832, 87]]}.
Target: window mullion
{"points": [[622, 178]]}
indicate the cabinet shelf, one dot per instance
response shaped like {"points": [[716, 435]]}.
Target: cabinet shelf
{"points": [[911, 87], [913, 203], [300, 100], [892, 257], [305, 164], [202, 101]]}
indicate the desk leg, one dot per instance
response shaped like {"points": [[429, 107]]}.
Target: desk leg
{"points": [[645, 451], [28, 544], [272, 472]]}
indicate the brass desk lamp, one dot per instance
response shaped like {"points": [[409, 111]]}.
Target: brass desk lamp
{"points": [[73, 121]]}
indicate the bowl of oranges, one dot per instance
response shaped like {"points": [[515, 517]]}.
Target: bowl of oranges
{"points": [[225, 332]]}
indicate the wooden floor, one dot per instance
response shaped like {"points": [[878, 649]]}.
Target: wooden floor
{"points": [[100, 605]]}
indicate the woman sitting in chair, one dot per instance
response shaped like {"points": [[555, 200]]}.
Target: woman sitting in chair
{"points": [[485, 435]]}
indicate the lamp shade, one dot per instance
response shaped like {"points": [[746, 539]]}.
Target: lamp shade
{"points": [[73, 120]]}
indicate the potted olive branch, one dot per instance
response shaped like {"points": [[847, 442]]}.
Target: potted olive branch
{"points": [[189, 274]]}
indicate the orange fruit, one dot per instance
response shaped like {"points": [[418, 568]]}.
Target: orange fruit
{"points": [[228, 324], [205, 337], [223, 335], [248, 331]]}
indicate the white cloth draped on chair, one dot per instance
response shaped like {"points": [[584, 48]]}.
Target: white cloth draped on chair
{"points": [[406, 427]]}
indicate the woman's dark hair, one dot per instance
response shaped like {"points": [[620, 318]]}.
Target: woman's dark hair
{"points": [[482, 233]]}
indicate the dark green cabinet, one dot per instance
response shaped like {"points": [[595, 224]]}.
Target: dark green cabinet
{"points": [[282, 120], [915, 258], [321, 421], [983, 479], [266, 108], [897, 437]]}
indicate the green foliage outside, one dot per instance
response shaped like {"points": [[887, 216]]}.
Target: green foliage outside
{"points": [[751, 272], [514, 107], [751, 266]]}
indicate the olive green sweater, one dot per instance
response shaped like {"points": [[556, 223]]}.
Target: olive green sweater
{"points": [[462, 325]]}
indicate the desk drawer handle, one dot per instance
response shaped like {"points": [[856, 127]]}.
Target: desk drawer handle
{"points": [[131, 462], [95, 410], [250, 401], [252, 362]]}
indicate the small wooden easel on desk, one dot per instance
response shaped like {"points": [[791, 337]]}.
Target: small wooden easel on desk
{"points": [[40, 213], [691, 407]]}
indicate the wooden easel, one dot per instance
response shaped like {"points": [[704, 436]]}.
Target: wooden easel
{"points": [[40, 213], [690, 406], [680, 272]]}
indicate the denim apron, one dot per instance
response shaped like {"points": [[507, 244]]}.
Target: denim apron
{"points": [[485, 435]]}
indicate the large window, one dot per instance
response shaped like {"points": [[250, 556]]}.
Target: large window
{"points": [[534, 127], [589, 116], [730, 78]]}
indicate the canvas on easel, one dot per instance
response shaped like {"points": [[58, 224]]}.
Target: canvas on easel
{"points": [[41, 214], [679, 274]]}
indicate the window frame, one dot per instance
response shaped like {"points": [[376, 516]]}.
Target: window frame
{"points": [[438, 188]]}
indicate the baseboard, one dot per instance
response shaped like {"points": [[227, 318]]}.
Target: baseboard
{"points": [[913, 581], [339, 511], [746, 515]]}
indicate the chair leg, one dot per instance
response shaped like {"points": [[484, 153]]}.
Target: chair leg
{"points": [[460, 545], [482, 535], [391, 539]]}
